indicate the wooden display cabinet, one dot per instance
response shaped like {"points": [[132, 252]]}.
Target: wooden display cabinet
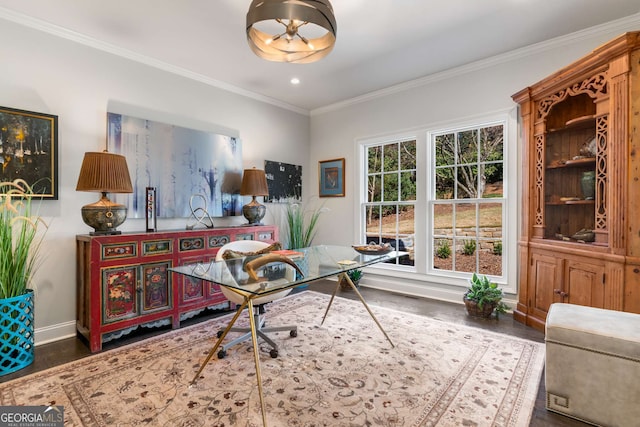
{"points": [[580, 240], [124, 280]]}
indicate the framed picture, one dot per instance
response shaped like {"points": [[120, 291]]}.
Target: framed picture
{"points": [[29, 150], [331, 178]]}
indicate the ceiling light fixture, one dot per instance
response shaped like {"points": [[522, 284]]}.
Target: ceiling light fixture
{"points": [[299, 31]]}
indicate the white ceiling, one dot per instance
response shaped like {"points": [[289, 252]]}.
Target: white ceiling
{"points": [[380, 43]]}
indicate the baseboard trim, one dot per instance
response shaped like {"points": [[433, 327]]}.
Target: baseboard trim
{"points": [[56, 332]]}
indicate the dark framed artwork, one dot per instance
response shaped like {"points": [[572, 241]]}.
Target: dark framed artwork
{"points": [[29, 150], [178, 162], [284, 182], [331, 178]]}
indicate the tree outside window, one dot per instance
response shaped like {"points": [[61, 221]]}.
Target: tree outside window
{"points": [[468, 204], [391, 196]]}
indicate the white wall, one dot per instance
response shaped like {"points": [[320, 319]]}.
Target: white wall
{"points": [[471, 91], [47, 74], [44, 73]]}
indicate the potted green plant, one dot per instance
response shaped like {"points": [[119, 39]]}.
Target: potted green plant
{"points": [[483, 298], [354, 275], [20, 241]]}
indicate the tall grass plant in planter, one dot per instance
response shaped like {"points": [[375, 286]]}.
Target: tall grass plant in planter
{"points": [[21, 234], [301, 224]]}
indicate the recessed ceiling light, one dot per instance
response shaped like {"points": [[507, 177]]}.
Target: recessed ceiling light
{"points": [[295, 81]]}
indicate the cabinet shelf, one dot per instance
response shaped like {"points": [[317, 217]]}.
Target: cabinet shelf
{"points": [[571, 202], [577, 163], [577, 123]]}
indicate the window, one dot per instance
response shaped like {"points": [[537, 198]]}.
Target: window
{"points": [[467, 201], [389, 210]]}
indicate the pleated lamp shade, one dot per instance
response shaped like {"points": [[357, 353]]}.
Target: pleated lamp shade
{"points": [[254, 183], [104, 173]]}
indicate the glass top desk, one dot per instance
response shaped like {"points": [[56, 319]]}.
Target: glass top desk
{"points": [[255, 276]]}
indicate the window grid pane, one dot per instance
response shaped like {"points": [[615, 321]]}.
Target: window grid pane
{"points": [[468, 228], [389, 211]]}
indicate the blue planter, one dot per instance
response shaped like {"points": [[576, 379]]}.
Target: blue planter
{"points": [[17, 339]]}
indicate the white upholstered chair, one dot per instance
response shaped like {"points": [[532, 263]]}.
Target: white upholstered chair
{"points": [[247, 247]]}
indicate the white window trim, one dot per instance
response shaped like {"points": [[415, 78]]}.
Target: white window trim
{"points": [[512, 179]]}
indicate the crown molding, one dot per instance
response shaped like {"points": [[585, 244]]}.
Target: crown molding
{"points": [[628, 23], [74, 36], [621, 25]]}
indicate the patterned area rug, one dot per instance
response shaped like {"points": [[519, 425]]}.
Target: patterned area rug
{"points": [[343, 373]]}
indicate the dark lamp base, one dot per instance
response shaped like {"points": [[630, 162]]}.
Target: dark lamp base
{"points": [[104, 216], [254, 212]]}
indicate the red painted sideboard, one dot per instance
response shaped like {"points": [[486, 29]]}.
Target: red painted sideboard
{"points": [[124, 280]]}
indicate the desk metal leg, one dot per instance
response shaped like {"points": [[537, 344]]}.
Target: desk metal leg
{"points": [[256, 357], [217, 345], [335, 291], [247, 303], [346, 277]]}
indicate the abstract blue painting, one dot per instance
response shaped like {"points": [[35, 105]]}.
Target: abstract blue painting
{"points": [[179, 162]]}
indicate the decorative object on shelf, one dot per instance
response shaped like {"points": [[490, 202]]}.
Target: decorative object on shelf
{"points": [[589, 148], [104, 173], [300, 231], [151, 209], [254, 183], [331, 178], [483, 298], [20, 241], [29, 150], [200, 213], [373, 249], [588, 184], [584, 235], [290, 31]]}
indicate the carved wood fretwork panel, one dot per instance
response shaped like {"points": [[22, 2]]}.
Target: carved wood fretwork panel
{"points": [[539, 181], [601, 172], [594, 86]]}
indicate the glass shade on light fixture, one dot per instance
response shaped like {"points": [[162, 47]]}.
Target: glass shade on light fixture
{"points": [[104, 173], [254, 183], [298, 31]]}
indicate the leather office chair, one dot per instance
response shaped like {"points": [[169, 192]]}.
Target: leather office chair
{"points": [[241, 247]]}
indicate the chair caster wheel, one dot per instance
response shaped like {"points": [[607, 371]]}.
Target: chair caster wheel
{"points": [[293, 333], [222, 354], [274, 353], [219, 334]]}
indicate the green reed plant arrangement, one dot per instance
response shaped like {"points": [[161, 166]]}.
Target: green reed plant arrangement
{"points": [[20, 237], [302, 224]]}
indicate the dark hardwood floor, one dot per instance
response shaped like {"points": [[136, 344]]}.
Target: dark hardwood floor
{"points": [[67, 350]]}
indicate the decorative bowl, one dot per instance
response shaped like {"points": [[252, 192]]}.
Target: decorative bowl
{"points": [[373, 249]]}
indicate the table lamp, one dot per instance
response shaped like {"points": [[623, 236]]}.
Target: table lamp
{"points": [[104, 173], [254, 183]]}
